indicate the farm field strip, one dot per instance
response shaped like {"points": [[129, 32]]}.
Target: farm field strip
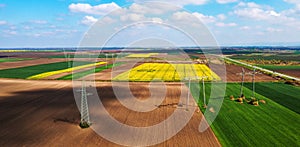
{"points": [[87, 56], [166, 72], [13, 59], [141, 55], [243, 124], [291, 57], [280, 67], [16, 51], [81, 74], [250, 66], [50, 73], [28, 71]]}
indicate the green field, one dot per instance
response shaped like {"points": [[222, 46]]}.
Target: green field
{"points": [[283, 57], [13, 59], [286, 95], [88, 56], [270, 124], [25, 72], [277, 67], [87, 72]]}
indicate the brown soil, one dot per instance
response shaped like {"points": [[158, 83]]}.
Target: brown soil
{"points": [[44, 113], [294, 73], [7, 65], [233, 74]]}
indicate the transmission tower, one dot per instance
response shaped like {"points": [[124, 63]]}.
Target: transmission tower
{"points": [[84, 109], [243, 73], [203, 86], [253, 83], [243, 78]]}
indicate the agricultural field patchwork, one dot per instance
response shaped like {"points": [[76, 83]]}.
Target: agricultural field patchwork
{"points": [[242, 124], [18, 51], [51, 73], [167, 72], [87, 56], [81, 74], [28, 71]]}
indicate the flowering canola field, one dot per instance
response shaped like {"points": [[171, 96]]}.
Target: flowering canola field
{"points": [[47, 74], [141, 55], [167, 72]]}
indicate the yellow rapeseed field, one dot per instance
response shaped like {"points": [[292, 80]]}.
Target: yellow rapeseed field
{"points": [[141, 55], [47, 74], [167, 72]]}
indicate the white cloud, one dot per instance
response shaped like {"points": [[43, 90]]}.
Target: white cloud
{"points": [[132, 17], [39, 22], [221, 16], [101, 9], [10, 32], [221, 24], [180, 2], [2, 22], [205, 18], [245, 28], [295, 2], [272, 30], [265, 13], [182, 16], [88, 20], [226, 1], [108, 20], [257, 12], [152, 8], [157, 20], [293, 11], [27, 28]]}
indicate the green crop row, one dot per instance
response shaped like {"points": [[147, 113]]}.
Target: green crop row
{"points": [[78, 75], [13, 59], [280, 67], [269, 124], [25, 72]]}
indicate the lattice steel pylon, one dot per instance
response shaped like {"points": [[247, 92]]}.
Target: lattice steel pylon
{"points": [[242, 83], [84, 109], [189, 86], [243, 73]]}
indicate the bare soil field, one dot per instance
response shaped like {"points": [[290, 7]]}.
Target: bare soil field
{"points": [[44, 113], [233, 74], [32, 54], [294, 73]]}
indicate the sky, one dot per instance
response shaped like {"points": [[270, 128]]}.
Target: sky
{"points": [[63, 23]]}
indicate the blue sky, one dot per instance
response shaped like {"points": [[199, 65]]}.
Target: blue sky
{"points": [[63, 23]]}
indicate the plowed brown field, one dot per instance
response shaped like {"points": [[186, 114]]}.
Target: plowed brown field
{"points": [[44, 113]]}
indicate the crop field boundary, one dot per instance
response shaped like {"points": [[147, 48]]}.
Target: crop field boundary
{"points": [[273, 73]]}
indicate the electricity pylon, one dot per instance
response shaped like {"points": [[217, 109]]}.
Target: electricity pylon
{"points": [[253, 80], [243, 78], [189, 85], [84, 109], [253, 83]]}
